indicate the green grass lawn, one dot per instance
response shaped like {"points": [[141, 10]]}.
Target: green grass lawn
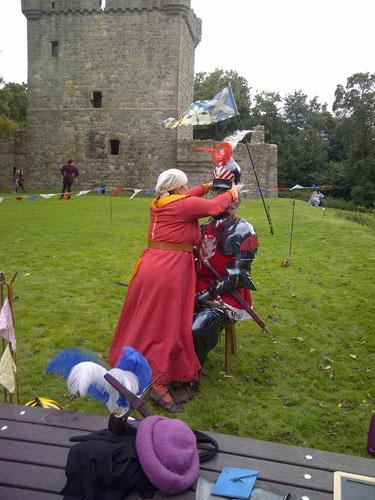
{"points": [[310, 383]]}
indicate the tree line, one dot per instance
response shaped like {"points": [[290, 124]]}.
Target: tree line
{"points": [[13, 106], [314, 145]]}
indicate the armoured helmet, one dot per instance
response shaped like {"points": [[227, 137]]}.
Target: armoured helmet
{"points": [[224, 175], [225, 170]]}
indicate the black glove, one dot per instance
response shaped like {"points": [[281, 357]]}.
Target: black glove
{"points": [[208, 293]]}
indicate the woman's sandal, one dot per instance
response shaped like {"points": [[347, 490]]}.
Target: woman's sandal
{"points": [[159, 399], [184, 393]]}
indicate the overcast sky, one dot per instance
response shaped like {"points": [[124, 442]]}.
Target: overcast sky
{"points": [[277, 45]]}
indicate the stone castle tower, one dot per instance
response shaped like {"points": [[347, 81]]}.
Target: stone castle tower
{"points": [[101, 78]]}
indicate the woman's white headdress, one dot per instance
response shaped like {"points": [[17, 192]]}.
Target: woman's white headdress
{"points": [[169, 180]]}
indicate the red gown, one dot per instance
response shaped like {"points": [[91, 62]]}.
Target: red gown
{"points": [[157, 316]]}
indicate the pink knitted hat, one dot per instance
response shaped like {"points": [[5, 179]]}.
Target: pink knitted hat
{"points": [[167, 451]]}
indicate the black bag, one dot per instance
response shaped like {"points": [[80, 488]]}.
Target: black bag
{"points": [[105, 466]]}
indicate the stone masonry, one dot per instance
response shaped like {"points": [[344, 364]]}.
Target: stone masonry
{"points": [[101, 78]]}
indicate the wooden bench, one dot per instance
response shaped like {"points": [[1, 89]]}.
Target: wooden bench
{"points": [[34, 445]]}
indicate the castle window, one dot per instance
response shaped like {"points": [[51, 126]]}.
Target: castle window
{"points": [[52, 5], [102, 4], [55, 48], [115, 146], [97, 99]]}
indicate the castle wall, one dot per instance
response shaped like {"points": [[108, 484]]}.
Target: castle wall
{"points": [[196, 164]]}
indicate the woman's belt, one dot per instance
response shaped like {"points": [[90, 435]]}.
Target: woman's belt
{"points": [[166, 245]]}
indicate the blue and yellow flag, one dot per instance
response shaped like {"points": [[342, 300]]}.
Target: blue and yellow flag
{"points": [[221, 107]]}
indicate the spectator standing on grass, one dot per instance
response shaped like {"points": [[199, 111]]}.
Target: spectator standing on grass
{"points": [[69, 171], [20, 180]]}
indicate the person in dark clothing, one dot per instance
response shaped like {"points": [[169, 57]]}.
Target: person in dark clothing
{"points": [[21, 180], [69, 171]]}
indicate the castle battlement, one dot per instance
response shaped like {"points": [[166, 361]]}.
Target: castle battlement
{"points": [[36, 9], [32, 8]]}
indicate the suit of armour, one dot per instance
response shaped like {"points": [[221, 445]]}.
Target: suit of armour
{"points": [[228, 245]]}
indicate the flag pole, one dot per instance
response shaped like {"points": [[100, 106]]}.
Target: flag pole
{"points": [[252, 164]]}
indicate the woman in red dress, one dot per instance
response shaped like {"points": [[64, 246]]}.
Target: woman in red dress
{"points": [[156, 319]]}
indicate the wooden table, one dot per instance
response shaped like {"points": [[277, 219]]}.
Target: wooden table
{"points": [[34, 444]]}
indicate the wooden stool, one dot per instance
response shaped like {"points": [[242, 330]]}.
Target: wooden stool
{"points": [[230, 345]]}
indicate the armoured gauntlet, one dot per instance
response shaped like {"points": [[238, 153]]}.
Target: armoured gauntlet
{"points": [[236, 278]]}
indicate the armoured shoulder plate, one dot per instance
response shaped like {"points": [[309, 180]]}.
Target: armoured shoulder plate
{"points": [[237, 236]]}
